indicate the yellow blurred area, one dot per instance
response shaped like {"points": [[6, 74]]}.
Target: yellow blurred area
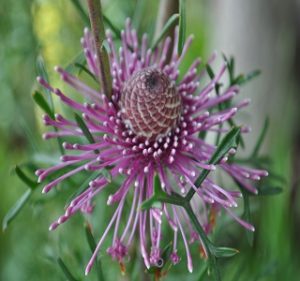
{"points": [[56, 27], [47, 24]]}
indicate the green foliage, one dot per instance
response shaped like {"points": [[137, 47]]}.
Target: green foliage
{"points": [[15, 209], [66, 270], [231, 140], [92, 244], [84, 16], [260, 138], [29, 182], [18, 206], [84, 68], [79, 59], [42, 72], [85, 130], [170, 23], [42, 103]]}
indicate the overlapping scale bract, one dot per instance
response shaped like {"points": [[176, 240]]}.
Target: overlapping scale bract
{"points": [[150, 103]]}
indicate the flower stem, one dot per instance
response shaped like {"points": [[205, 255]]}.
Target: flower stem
{"points": [[206, 242], [229, 141], [166, 9], [96, 18]]}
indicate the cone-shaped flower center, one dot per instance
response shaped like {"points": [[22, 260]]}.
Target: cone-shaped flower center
{"points": [[150, 103]]}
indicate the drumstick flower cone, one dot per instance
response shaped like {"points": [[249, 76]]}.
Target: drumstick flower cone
{"points": [[148, 130]]}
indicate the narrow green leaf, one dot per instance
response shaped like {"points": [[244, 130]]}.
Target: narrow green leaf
{"points": [[90, 238], [242, 79], [24, 178], [246, 212], [85, 130], [160, 196], [229, 141], [43, 104], [41, 71], [241, 140], [265, 190], [165, 30], [65, 270], [231, 68], [211, 75], [83, 186], [210, 72], [84, 16], [92, 243], [182, 26], [261, 138], [224, 252], [106, 174], [78, 59], [139, 13], [15, 209], [153, 202], [113, 28], [157, 185], [202, 135], [227, 104], [85, 69]]}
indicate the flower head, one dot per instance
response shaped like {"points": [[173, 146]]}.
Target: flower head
{"points": [[150, 127]]}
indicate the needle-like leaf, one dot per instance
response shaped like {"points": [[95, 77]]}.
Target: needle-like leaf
{"points": [[65, 270], [165, 30], [229, 141]]}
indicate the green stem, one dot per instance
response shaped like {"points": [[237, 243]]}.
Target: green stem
{"points": [[209, 247], [198, 183], [166, 9], [171, 200], [96, 18], [228, 142]]}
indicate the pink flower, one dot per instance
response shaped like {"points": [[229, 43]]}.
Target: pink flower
{"points": [[150, 127]]}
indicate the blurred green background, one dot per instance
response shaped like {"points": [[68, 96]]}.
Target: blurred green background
{"points": [[260, 34]]}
